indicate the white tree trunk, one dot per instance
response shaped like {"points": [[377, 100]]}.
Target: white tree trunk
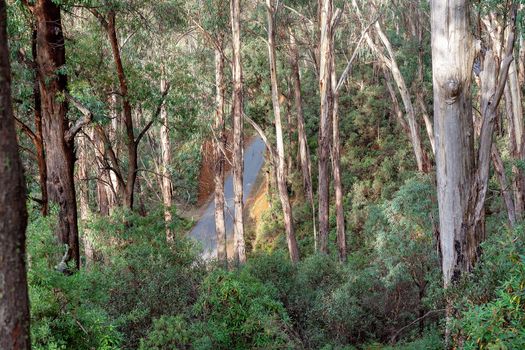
{"points": [[165, 150], [281, 160], [238, 156]]}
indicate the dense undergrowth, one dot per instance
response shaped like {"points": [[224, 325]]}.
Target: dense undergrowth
{"points": [[143, 293]]}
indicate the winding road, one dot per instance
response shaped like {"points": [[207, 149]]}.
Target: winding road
{"points": [[204, 230]]}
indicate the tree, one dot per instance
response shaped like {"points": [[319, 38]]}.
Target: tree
{"points": [[14, 303], [304, 152], [462, 174], [220, 142], [281, 160], [165, 149], [325, 87], [58, 136], [237, 114]]}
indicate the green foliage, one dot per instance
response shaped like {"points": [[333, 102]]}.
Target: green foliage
{"points": [[234, 311], [147, 276], [493, 316], [66, 311], [240, 312]]}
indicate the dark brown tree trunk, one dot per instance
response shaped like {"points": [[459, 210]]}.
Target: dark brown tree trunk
{"points": [[57, 139], [14, 303]]}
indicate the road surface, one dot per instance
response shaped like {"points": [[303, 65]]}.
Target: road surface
{"points": [[204, 230]]}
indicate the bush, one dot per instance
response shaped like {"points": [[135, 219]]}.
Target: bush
{"points": [[66, 311], [147, 276], [499, 323], [237, 311]]}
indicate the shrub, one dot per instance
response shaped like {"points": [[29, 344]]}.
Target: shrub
{"points": [[66, 311]]}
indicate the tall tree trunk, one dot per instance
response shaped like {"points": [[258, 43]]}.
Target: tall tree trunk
{"points": [[462, 175], [304, 152], [325, 87], [83, 186], [38, 141], [238, 151], [127, 113], [14, 303], [452, 59], [336, 166], [165, 149], [281, 160], [59, 146], [220, 147]]}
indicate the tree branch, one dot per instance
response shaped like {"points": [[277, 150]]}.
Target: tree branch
{"points": [[263, 137], [155, 115], [26, 129], [88, 117], [345, 73]]}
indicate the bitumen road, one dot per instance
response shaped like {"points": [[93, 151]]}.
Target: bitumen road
{"points": [[204, 229]]}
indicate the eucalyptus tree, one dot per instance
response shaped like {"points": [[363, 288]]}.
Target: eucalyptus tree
{"points": [[237, 115], [463, 171], [293, 250], [324, 139], [58, 135], [14, 303]]}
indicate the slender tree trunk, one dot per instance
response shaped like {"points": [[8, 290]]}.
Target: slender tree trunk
{"points": [[127, 113], [103, 177], [291, 127], [325, 88], [59, 148], [38, 141], [504, 185], [83, 186], [304, 152], [423, 163], [336, 167], [220, 147], [165, 149], [281, 160], [237, 113], [14, 303]]}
